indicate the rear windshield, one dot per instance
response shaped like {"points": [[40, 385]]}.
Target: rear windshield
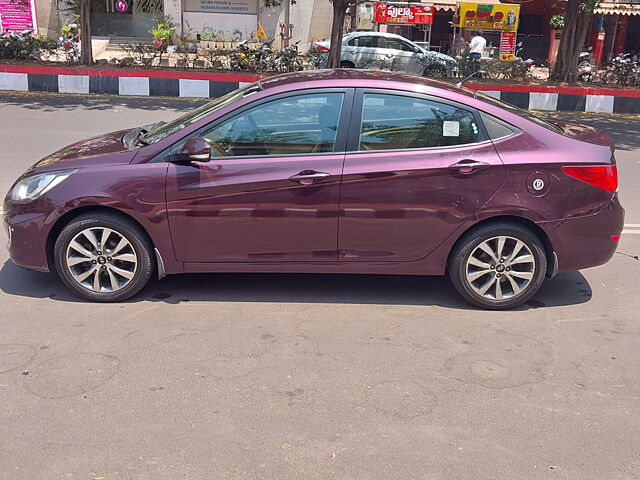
{"points": [[518, 111]]}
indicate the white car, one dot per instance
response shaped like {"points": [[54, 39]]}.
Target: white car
{"points": [[387, 51]]}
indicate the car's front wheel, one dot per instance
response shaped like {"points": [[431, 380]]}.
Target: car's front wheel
{"points": [[498, 266], [435, 71], [103, 257]]}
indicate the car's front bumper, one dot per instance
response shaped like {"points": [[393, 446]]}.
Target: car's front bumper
{"points": [[27, 225]]}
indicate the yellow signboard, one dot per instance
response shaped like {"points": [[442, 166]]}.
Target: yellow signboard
{"points": [[487, 16]]}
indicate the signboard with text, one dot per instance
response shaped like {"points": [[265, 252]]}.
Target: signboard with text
{"points": [[508, 46], [238, 7], [17, 15], [408, 13], [487, 16]]}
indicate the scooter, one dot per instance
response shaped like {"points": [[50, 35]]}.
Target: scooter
{"points": [[69, 44], [585, 69]]}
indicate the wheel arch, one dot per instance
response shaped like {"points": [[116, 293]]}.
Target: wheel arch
{"points": [[69, 216], [521, 221]]}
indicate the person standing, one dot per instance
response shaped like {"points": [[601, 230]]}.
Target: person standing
{"points": [[477, 46]]}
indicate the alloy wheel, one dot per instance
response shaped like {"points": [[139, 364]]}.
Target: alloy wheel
{"points": [[101, 259], [500, 268]]}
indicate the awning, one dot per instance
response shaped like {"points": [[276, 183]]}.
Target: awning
{"points": [[444, 5], [618, 8]]}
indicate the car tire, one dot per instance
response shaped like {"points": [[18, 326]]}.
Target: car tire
{"points": [[346, 64], [103, 257], [435, 71], [498, 266]]}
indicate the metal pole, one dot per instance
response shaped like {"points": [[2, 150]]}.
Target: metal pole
{"points": [[287, 22]]}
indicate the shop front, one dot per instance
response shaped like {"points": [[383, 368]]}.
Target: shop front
{"points": [[410, 20], [619, 25], [226, 19], [497, 22], [125, 18]]}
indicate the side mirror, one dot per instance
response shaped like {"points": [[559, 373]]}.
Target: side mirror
{"points": [[196, 149]]}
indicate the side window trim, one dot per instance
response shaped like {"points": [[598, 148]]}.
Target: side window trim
{"points": [[514, 130], [353, 142], [341, 134]]}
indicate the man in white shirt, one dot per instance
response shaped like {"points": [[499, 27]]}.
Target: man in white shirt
{"points": [[477, 45]]}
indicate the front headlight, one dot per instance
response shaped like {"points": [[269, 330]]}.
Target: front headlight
{"points": [[31, 188]]}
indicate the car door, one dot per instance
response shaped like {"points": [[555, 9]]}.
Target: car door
{"points": [[406, 56], [366, 51], [417, 169], [270, 191]]}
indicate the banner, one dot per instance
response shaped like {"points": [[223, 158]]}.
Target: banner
{"points": [[238, 7], [508, 46], [17, 15], [410, 13], [487, 16]]}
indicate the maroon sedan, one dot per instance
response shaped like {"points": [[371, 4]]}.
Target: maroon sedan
{"points": [[331, 171]]}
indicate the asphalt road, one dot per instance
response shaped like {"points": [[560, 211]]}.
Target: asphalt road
{"points": [[312, 376]]}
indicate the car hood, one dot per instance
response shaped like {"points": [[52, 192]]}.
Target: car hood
{"points": [[439, 56], [585, 133], [107, 148]]}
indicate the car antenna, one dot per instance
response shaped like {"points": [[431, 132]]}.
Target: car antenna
{"points": [[460, 84]]}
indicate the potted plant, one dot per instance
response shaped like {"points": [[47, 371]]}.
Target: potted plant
{"points": [[162, 33], [556, 23]]}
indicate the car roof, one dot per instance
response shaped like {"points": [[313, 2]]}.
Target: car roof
{"points": [[349, 77], [377, 34]]}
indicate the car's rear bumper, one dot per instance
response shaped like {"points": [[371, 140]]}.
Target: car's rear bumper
{"points": [[587, 241]]}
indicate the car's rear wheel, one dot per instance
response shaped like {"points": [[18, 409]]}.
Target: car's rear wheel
{"points": [[103, 257], [346, 64], [498, 266]]}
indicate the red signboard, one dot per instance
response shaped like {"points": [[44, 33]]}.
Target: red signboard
{"points": [[17, 15], [404, 13], [508, 46]]}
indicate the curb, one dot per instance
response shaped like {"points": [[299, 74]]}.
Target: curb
{"points": [[121, 82], [565, 99], [178, 83]]}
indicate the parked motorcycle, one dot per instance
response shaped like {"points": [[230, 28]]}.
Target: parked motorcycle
{"points": [[287, 60], [264, 57], [70, 44], [241, 57], [585, 69]]}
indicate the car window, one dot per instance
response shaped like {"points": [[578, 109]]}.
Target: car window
{"points": [[496, 128], [366, 41], [391, 122], [162, 130], [293, 125], [397, 44]]}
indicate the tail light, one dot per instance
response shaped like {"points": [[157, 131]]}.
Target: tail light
{"points": [[601, 176], [321, 48]]}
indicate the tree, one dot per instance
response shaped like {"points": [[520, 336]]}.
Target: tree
{"points": [[340, 8], [86, 52], [577, 17]]}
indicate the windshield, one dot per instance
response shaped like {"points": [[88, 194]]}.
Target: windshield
{"points": [[518, 111], [163, 130]]}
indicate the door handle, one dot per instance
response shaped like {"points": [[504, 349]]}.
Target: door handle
{"points": [[309, 177], [468, 166]]}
